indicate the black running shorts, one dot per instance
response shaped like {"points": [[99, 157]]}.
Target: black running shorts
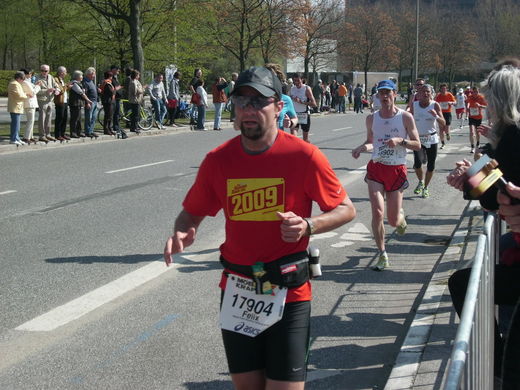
{"points": [[425, 155], [280, 350], [474, 122], [306, 127], [447, 117]]}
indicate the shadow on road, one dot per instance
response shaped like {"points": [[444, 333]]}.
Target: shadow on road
{"points": [[184, 261]]}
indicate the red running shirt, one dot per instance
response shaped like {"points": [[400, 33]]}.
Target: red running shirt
{"points": [[250, 189], [475, 111], [443, 100]]}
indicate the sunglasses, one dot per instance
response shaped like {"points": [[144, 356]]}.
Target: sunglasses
{"points": [[257, 102]]}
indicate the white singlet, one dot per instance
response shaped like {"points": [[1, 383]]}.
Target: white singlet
{"points": [[300, 94], [461, 101], [426, 124], [384, 129]]}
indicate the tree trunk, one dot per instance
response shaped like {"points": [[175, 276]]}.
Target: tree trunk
{"points": [[4, 55], [134, 22], [45, 39]]}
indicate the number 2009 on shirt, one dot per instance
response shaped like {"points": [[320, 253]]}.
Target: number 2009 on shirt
{"points": [[255, 199]]}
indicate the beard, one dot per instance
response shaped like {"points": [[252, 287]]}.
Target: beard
{"points": [[252, 133]]}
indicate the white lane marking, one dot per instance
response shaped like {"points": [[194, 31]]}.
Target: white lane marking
{"points": [[323, 236], [78, 307], [342, 128], [359, 228], [342, 244], [139, 166], [7, 192]]}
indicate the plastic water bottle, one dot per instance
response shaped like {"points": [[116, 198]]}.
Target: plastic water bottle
{"points": [[314, 262]]}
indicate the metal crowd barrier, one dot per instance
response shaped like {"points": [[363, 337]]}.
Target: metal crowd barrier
{"points": [[472, 357]]}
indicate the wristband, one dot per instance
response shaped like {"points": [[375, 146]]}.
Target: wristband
{"points": [[310, 226]]}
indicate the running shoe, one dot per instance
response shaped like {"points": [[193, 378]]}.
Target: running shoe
{"points": [[425, 193], [472, 150], [442, 145], [419, 188], [382, 263], [448, 136], [401, 229]]}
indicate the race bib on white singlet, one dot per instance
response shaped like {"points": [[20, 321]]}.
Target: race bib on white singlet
{"points": [[302, 118], [474, 111], [425, 140], [245, 312], [389, 156]]}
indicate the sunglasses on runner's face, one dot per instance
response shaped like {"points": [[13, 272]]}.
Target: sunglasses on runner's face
{"points": [[257, 102]]}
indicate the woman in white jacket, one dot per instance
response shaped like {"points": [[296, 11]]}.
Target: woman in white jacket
{"points": [[30, 105]]}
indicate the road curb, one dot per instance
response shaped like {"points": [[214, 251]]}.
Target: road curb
{"points": [[6, 147]]}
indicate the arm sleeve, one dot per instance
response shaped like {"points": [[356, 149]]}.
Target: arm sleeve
{"points": [[202, 198]]}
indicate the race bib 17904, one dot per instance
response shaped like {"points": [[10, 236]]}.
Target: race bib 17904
{"points": [[255, 199], [245, 312]]}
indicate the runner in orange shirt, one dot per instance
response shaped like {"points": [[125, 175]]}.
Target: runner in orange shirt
{"points": [[474, 105], [446, 100]]}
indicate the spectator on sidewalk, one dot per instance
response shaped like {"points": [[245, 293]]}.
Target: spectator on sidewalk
{"points": [[219, 100], [174, 98], [234, 77], [115, 70], [108, 99], [317, 91], [194, 84], [201, 106], [158, 98], [91, 90], [342, 93], [15, 102], [358, 97], [61, 102], [30, 105], [45, 99], [135, 98], [77, 100]]}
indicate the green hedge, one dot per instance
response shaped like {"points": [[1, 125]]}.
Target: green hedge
{"points": [[5, 78]]}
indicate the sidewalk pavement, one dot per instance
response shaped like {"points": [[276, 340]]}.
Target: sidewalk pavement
{"points": [[423, 361]]}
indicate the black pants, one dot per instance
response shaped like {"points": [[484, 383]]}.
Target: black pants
{"points": [[75, 122], [358, 106], [135, 116], [109, 115], [172, 114], [116, 115], [60, 122]]}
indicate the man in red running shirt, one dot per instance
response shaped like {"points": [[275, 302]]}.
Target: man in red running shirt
{"points": [[446, 100], [265, 181], [475, 103]]}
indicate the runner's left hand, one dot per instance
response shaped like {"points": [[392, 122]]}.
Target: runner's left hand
{"points": [[293, 227]]}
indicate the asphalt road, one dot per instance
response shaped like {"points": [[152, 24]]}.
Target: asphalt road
{"points": [[86, 302]]}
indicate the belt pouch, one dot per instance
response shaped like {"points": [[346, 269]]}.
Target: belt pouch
{"points": [[294, 269]]}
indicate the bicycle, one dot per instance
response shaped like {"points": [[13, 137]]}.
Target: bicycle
{"points": [[146, 118]]}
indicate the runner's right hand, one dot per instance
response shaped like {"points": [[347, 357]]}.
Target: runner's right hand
{"points": [[177, 243]]}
